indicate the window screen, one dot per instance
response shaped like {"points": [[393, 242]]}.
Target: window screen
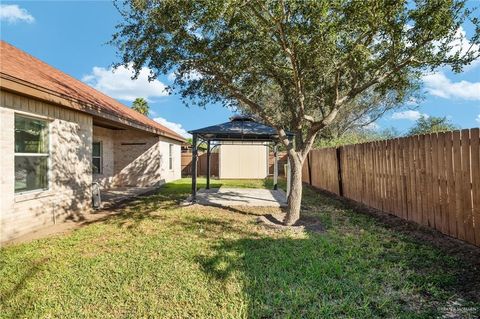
{"points": [[31, 154], [97, 158]]}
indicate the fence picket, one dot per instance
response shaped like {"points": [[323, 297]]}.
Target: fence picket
{"points": [[467, 187], [432, 180], [429, 182], [435, 199], [442, 180], [475, 158], [457, 167]]}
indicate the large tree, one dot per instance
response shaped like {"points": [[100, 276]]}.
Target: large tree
{"points": [[301, 66]]}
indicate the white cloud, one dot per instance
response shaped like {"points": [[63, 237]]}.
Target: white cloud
{"points": [[478, 119], [438, 84], [12, 13], [408, 115], [171, 76], [192, 76], [413, 101], [118, 83], [366, 123], [372, 126], [462, 45], [193, 30], [173, 126]]}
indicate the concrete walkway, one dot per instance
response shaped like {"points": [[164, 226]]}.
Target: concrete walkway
{"points": [[230, 197], [111, 199]]}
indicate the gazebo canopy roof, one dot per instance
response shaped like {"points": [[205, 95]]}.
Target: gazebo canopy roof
{"points": [[240, 128]]}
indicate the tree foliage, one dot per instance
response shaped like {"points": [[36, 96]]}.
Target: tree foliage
{"points": [[355, 136], [141, 106], [301, 66], [296, 64], [432, 124], [201, 146]]}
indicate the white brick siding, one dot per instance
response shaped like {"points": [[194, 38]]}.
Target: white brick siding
{"points": [[130, 158], [69, 175]]}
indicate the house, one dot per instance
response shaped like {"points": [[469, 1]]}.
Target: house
{"points": [[59, 135]]}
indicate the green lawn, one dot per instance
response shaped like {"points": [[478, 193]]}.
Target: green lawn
{"points": [[159, 260]]}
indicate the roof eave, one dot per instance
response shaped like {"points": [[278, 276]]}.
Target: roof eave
{"points": [[18, 86]]}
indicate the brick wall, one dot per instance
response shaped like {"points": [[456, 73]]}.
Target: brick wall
{"points": [[141, 159], [70, 167], [130, 158]]}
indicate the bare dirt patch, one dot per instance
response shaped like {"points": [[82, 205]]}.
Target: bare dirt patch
{"points": [[275, 221]]}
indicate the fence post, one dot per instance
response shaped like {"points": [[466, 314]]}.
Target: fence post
{"points": [[194, 167], [309, 165], [339, 166], [208, 164]]}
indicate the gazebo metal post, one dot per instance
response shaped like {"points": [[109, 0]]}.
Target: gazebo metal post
{"points": [[275, 167], [194, 167], [208, 164]]}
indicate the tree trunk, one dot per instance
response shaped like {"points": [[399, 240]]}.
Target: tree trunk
{"points": [[295, 196]]}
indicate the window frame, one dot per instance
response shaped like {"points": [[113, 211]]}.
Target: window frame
{"points": [[47, 154], [100, 169], [170, 156]]}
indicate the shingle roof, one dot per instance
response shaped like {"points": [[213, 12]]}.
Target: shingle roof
{"points": [[17, 64], [239, 128]]}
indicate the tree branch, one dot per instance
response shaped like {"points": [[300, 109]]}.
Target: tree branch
{"points": [[239, 95]]}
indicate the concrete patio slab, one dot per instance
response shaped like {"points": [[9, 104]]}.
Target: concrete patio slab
{"points": [[230, 197]]}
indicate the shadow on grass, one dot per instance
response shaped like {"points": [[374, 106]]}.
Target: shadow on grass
{"points": [[147, 205], [13, 292], [268, 183], [338, 276], [359, 268], [362, 266], [467, 256], [168, 196]]}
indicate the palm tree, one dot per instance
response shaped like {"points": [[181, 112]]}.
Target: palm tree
{"points": [[141, 106]]}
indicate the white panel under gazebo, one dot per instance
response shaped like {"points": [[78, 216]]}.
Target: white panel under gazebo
{"points": [[243, 161], [240, 129]]}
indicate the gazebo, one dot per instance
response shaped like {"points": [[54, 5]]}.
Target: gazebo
{"points": [[240, 129]]}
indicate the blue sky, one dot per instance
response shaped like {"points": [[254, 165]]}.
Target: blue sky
{"points": [[72, 36]]}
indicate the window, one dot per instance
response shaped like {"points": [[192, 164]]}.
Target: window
{"points": [[31, 154], [170, 156], [97, 158]]}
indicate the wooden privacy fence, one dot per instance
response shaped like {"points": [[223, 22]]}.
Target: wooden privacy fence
{"points": [[432, 179], [202, 164], [282, 160]]}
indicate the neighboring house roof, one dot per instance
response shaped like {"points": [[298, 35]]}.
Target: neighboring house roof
{"points": [[240, 128], [22, 73]]}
